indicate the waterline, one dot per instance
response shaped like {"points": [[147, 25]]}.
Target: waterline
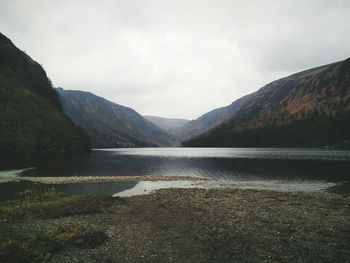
{"points": [[148, 187]]}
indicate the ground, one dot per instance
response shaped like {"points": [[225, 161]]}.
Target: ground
{"points": [[177, 225]]}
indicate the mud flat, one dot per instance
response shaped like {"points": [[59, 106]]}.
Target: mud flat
{"points": [[177, 225]]}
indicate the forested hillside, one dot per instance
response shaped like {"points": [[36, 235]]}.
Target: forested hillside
{"points": [[31, 117], [307, 109]]}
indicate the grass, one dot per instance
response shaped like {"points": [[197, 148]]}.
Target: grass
{"points": [[53, 204], [35, 243], [45, 243]]}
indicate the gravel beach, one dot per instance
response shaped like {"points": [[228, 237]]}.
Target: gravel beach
{"points": [[100, 179], [183, 225]]}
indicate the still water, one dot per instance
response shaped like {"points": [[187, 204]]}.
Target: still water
{"points": [[237, 167]]}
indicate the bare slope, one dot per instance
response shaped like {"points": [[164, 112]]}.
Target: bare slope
{"points": [[109, 124], [307, 109]]}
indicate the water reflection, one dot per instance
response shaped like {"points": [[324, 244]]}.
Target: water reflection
{"points": [[234, 153], [212, 163], [225, 164], [147, 187]]}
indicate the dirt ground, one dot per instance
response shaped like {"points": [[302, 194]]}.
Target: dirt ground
{"points": [[178, 225]]}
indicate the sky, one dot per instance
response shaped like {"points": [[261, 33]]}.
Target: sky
{"points": [[179, 58]]}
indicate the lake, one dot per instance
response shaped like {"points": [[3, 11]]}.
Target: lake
{"points": [[271, 169]]}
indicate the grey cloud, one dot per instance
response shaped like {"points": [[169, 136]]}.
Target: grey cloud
{"points": [[176, 58]]}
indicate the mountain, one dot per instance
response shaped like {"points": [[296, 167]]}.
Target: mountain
{"points": [[31, 117], [167, 124], [108, 124], [208, 121], [307, 109]]}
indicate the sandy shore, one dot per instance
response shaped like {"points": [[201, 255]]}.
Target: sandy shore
{"points": [[183, 225], [101, 179]]}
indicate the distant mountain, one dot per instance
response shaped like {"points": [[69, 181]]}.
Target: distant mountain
{"points": [[31, 117], [109, 124], [208, 121], [166, 124], [307, 109]]}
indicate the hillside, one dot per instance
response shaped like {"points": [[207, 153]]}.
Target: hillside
{"points": [[166, 124], [108, 124], [208, 120], [307, 109], [31, 117]]}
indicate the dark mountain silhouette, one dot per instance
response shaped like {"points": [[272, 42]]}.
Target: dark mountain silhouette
{"points": [[109, 124], [307, 109], [31, 117]]}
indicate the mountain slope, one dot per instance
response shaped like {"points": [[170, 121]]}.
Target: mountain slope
{"points": [[109, 124], [208, 120], [166, 124], [307, 109], [31, 117]]}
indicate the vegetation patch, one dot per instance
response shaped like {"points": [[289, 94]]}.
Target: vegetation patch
{"points": [[50, 241], [23, 239], [53, 204]]}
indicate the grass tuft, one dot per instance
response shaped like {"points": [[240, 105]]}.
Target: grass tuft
{"points": [[50, 241], [33, 204]]}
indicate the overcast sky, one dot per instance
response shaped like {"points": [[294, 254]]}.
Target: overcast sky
{"points": [[178, 58]]}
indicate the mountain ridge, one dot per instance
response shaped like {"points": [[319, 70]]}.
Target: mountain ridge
{"points": [[208, 120], [109, 124], [167, 124], [31, 117], [316, 95]]}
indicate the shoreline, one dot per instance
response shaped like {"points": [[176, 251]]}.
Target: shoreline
{"points": [[152, 183], [102, 179]]}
